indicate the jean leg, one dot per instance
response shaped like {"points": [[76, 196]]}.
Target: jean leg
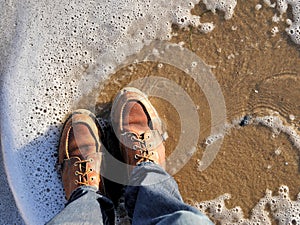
{"points": [[86, 207], [153, 198]]}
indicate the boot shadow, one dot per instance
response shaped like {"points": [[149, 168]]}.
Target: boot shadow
{"points": [[113, 190]]}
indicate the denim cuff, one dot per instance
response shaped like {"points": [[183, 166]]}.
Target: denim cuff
{"points": [[146, 163], [80, 191], [147, 173]]}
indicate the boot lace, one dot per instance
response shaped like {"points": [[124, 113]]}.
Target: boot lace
{"points": [[144, 154], [83, 172]]}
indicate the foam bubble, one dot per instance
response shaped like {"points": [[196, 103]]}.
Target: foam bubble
{"points": [[294, 26], [227, 6], [277, 126], [212, 138], [282, 6], [270, 4], [274, 31], [258, 7], [294, 32], [206, 27], [276, 18]]}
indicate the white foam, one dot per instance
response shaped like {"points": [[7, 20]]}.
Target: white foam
{"points": [[212, 138], [277, 126], [283, 209], [274, 31], [206, 27], [258, 7], [274, 122], [276, 18], [270, 4], [294, 27], [227, 6]]}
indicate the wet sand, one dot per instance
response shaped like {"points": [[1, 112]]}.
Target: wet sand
{"points": [[262, 63], [258, 74]]}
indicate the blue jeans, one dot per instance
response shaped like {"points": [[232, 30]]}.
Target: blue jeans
{"points": [[152, 197]]}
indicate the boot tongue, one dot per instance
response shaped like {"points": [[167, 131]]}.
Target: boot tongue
{"points": [[136, 119], [81, 142]]}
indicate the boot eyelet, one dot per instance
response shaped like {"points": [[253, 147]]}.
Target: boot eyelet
{"points": [[91, 170], [76, 173], [91, 160]]}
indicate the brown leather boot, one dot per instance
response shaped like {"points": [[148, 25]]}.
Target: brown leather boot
{"points": [[138, 128], [80, 152]]}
